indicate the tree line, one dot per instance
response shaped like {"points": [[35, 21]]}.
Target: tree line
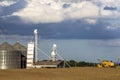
{"points": [[74, 63]]}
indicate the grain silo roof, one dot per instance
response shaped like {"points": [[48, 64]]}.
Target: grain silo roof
{"points": [[20, 47], [6, 46]]}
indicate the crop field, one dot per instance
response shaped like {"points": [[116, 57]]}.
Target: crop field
{"points": [[78, 73]]}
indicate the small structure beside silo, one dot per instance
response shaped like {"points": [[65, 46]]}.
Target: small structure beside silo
{"points": [[49, 64], [32, 54], [12, 56], [32, 63], [53, 63]]}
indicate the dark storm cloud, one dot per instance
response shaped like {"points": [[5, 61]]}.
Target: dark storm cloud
{"points": [[14, 26], [110, 8], [77, 30], [70, 29]]}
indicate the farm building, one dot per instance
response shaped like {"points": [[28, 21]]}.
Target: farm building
{"points": [[49, 64]]}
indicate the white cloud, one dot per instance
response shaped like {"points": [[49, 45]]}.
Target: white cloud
{"points": [[41, 11], [7, 2], [113, 26], [82, 10], [91, 21], [106, 13], [110, 27], [52, 11], [108, 3], [47, 11]]}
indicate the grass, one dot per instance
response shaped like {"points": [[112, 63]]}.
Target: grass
{"points": [[81, 73]]}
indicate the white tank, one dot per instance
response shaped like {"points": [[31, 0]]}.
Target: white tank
{"points": [[54, 52]]}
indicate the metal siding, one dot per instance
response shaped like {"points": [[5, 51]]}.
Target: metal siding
{"points": [[9, 59]]}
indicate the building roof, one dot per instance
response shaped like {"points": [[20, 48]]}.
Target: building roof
{"points": [[6, 46], [18, 46], [46, 62]]}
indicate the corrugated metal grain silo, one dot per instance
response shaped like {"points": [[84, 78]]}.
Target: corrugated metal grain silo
{"points": [[9, 59], [19, 47], [23, 50]]}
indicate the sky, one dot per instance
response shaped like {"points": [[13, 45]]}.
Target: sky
{"points": [[77, 21]]}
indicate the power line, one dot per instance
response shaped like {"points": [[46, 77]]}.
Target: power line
{"points": [[44, 53], [64, 60]]}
